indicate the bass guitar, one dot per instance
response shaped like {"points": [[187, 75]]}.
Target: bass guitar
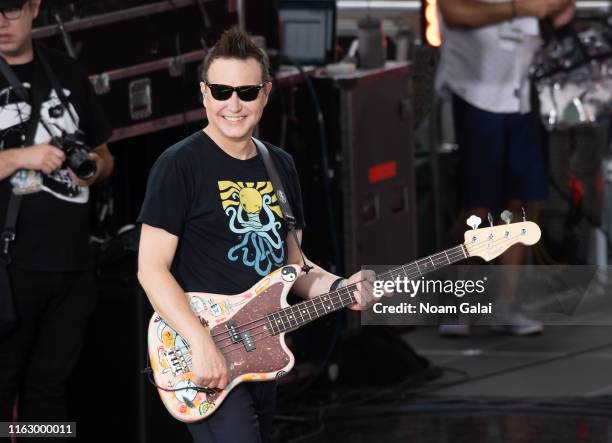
{"points": [[249, 328]]}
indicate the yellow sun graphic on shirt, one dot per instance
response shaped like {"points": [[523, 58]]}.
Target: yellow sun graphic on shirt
{"points": [[249, 195], [254, 215]]}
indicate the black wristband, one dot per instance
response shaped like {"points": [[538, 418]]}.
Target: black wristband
{"points": [[336, 284], [513, 4]]}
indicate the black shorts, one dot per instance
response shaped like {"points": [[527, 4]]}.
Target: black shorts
{"points": [[502, 156]]}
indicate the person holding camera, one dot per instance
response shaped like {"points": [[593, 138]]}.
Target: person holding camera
{"points": [[49, 119]]}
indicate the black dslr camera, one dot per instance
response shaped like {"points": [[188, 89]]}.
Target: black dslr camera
{"points": [[77, 154]]}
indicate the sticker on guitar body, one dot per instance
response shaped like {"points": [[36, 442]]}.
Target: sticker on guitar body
{"points": [[254, 353]]}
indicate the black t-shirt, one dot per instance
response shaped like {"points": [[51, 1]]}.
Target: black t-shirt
{"points": [[223, 210], [53, 226]]}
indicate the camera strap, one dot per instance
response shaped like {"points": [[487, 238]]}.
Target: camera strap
{"points": [[12, 213], [55, 84], [281, 196]]}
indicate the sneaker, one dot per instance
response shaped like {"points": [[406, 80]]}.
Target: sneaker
{"points": [[454, 330], [516, 323]]}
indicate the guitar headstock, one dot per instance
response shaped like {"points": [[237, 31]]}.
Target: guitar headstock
{"points": [[493, 241]]}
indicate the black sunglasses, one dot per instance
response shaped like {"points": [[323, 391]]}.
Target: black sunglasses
{"points": [[246, 93]]}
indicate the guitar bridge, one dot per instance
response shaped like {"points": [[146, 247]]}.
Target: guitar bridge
{"points": [[176, 361]]}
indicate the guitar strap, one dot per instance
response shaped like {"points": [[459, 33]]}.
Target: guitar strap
{"points": [[55, 84], [281, 196], [8, 233]]}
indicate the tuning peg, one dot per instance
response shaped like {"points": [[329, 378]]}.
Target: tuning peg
{"points": [[506, 216], [474, 221], [490, 218], [524, 217]]}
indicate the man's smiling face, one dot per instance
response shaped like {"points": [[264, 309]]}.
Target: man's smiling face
{"points": [[234, 119]]}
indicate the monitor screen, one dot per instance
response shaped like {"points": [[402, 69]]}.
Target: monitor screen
{"points": [[307, 31]]}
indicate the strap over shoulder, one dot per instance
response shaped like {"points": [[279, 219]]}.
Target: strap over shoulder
{"points": [[281, 195]]}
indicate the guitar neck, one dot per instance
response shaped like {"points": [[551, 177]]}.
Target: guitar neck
{"points": [[295, 316]]}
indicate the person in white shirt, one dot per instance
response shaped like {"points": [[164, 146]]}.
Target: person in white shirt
{"points": [[486, 52]]}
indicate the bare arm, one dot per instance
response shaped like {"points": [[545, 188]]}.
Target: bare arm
{"points": [[155, 256], [565, 15], [156, 252], [476, 13], [318, 281], [47, 158], [43, 157], [9, 162], [105, 164]]}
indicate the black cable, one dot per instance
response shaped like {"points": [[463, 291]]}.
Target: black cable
{"points": [[333, 342], [468, 406], [148, 371], [472, 405], [371, 395], [323, 410], [324, 159], [205, 19], [320, 428], [430, 389], [524, 366], [328, 201], [284, 118]]}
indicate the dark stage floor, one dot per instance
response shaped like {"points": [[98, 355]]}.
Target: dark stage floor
{"points": [[467, 428], [554, 387]]}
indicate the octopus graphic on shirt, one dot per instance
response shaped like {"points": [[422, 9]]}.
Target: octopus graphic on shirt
{"points": [[254, 214]]}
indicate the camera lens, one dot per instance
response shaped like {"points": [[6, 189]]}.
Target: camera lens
{"points": [[79, 161], [86, 170]]}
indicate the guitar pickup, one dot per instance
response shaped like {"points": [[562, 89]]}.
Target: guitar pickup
{"points": [[233, 333], [249, 343]]}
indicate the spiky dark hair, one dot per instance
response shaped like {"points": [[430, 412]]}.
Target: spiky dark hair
{"points": [[235, 43]]}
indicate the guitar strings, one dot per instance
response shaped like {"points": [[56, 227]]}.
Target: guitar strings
{"points": [[270, 317], [312, 300], [256, 337], [262, 335], [284, 313], [287, 319], [265, 332], [409, 273]]}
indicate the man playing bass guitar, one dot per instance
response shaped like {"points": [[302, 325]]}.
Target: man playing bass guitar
{"points": [[211, 223]]}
